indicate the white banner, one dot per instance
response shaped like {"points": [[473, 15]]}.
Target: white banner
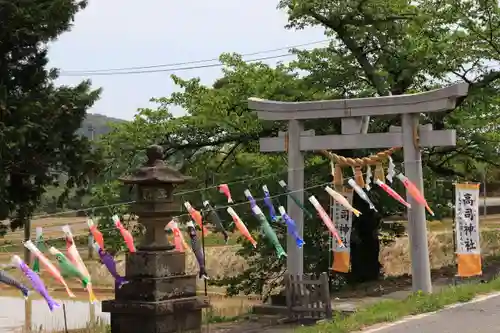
{"points": [[343, 222], [467, 218]]}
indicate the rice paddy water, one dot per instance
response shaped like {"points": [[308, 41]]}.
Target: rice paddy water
{"points": [[17, 313]]}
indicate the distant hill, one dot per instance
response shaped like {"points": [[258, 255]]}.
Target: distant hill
{"points": [[97, 123]]}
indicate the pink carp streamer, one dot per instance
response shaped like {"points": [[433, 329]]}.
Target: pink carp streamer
{"points": [[224, 189], [392, 193], [179, 242], [75, 257], [326, 219]]}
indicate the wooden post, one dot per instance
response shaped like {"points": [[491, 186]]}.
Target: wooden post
{"points": [[90, 245], [417, 223], [65, 319], [325, 290], [27, 237], [289, 294], [295, 184], [92, 315], [90, 239], [28, 315], [485, 196], [352, 112]]}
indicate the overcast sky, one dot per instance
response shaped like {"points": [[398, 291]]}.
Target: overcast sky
{"points": [[127, 33]]}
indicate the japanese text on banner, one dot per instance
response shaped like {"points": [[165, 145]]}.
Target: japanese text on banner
{"points": [[343, 222], [467, 218]]}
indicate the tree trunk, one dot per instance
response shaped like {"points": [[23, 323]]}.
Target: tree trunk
{"points": [[365, 245]]}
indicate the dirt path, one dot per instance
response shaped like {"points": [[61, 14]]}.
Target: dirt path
{"points": [[51, 228], [254, 324]]}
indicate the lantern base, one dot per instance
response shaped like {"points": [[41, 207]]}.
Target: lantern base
{"points": [[172, 316], [159, 298], [153, 247]]}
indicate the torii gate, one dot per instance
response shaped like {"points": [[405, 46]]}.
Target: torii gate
{"points": [[351, 112]]}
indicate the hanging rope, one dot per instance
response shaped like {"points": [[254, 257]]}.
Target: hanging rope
{"points": [[360, 161], [337, 162], [416, 138]]}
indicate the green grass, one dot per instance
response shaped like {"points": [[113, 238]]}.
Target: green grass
{"points": [[211, 316], [215, 315], [392, 310], [216, 239], [97, 326]]}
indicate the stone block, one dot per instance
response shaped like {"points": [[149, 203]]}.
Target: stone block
{"points": [[175, 306], [188, 322], [157, 289], [155, 264], [156, 209]]}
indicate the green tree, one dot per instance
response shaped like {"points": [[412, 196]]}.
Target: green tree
{"points": [[216, 141], [396, 47], [377, 48], [38, 120]]}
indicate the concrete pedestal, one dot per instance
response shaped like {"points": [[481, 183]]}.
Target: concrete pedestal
{"points": [[160, 297]]}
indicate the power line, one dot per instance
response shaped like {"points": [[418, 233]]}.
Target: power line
{"points": [[191, 62], [165, 70], [198, 190]]}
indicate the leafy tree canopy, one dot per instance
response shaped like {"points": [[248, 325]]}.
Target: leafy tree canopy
{"points": [[38, 120]]}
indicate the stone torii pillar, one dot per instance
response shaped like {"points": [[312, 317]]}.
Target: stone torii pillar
{"points": [[351, 112], [160, 297]]}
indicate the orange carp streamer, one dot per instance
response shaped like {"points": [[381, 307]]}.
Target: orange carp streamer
{"points": [[414, 192], [241, 226], [196, 216], [99, 239], [127, 236]]}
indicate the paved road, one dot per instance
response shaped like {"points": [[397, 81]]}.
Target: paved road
{"points": [[494, 201], [478, 317]]}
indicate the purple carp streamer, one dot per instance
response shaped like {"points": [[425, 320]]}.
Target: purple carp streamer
{"points": [[292, 227], [197, 250], [36, 282], [10, 281], [110, 264]]}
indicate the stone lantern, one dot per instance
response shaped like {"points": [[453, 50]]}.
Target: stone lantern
{"points": [[160, 297]]}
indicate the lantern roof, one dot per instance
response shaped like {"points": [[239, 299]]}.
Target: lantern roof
{"points": [[154, 171]]}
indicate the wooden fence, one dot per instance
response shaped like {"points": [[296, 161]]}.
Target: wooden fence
{"points": [[308, 297]]}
